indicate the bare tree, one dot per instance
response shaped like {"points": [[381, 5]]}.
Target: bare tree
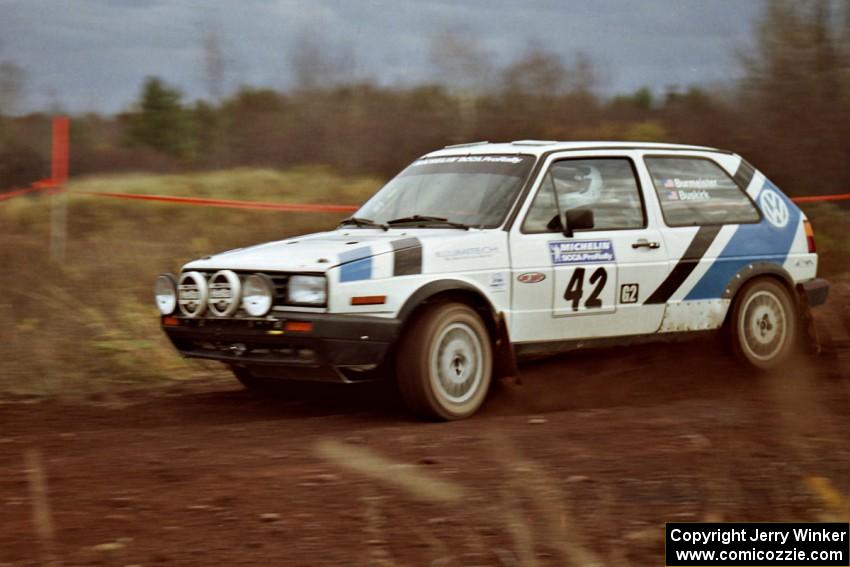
{"points": [[584, 76], [538, 72], [459, 62], [12, 81], [799, 65], [215, 66], [317, 63]]}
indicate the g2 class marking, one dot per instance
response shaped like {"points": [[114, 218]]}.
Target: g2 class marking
{"points": [[629, 293]]}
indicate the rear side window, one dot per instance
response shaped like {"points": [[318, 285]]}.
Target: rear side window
{"points": [[697, 191]]}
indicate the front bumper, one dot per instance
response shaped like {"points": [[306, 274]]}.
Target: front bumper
{"points": [[336, 348], [816, 291]]}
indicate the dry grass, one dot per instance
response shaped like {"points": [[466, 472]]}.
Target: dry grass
{"points": [[533, 505], [89, 324], [305, 184]]}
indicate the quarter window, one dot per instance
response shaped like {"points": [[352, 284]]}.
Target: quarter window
{"points": [[606, 186], [697, 191]]}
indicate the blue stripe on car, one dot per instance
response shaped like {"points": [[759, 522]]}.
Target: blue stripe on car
{"points": [[356, 265], [762, 242]]}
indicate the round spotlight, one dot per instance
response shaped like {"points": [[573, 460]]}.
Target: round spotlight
{"points": [[225, 292], [192, 294]]}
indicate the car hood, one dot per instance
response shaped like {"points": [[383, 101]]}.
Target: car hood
{"points": [[321, 251]]}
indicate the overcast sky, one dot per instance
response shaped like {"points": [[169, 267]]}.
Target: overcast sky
{"points": [[94, 54]]}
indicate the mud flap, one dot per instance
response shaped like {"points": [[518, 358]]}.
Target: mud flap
{"points": [[807, 322], [832, 336], [504, 358]]}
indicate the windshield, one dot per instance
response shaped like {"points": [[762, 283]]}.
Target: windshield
{"points": [[476, 191]]}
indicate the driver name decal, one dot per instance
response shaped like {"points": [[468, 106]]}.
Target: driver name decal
{"points": [[581, 251]]}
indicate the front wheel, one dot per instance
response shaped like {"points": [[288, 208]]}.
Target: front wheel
{"points": [[445, 362], [764, 324]]}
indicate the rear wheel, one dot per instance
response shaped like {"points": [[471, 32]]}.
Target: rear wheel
{"points": [[445, 362], [764, 324]]}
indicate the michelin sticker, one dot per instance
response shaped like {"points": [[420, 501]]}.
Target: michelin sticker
{"points": [[774, 208], [581, 251]]}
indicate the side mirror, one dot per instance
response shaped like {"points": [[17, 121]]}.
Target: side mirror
{"points": [[577, 219]]}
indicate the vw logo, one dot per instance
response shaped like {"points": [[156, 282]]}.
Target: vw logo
{"points": [[774, 208], [225, 293]]}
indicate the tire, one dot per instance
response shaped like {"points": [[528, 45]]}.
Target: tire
{"points": [[764, 324], [445, 362]]}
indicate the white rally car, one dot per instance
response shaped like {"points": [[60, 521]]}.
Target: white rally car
{"points": [[477, 255]]}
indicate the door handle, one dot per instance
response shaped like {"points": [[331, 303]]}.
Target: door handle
{"points": [[644, 243]]}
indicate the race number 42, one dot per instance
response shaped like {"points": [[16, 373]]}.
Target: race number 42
{"points": [[575, 288]]}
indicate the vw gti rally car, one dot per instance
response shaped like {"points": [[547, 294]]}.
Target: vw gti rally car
{"points": [[479, 254]]}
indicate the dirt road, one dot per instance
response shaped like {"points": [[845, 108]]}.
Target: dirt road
{"points": [[581, 463]]}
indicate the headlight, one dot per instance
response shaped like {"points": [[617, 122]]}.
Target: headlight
{"points": [[165, 294], [257, 295], [307, 290]]}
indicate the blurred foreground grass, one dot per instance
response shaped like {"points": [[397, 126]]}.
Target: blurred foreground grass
{"points": [[89, 324]]}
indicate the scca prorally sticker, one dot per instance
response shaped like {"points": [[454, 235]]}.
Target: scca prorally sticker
{"points": [[774, 208], [469, 159], [581, 251]]}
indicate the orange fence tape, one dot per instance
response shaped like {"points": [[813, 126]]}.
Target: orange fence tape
{"points": [[228, 203], [49, 184], [43, 185], [815, 198]]}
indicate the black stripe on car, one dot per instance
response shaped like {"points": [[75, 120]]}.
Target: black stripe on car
{"points": [[744, 174], [407, 256], [686, 264]]}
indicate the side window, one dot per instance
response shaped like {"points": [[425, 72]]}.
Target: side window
{"points": [[697, 191], [607, 186]]}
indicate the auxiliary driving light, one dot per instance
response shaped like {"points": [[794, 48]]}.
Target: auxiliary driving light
{"points": [[225, 292], [192, 294]]}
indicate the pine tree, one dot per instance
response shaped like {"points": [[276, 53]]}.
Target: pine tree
{"points": [[161, 122]]}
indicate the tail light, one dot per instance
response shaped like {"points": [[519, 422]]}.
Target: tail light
{"points": [[810, 236]]}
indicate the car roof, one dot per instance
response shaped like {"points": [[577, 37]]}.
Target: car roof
{"points": [[539, 147]]}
